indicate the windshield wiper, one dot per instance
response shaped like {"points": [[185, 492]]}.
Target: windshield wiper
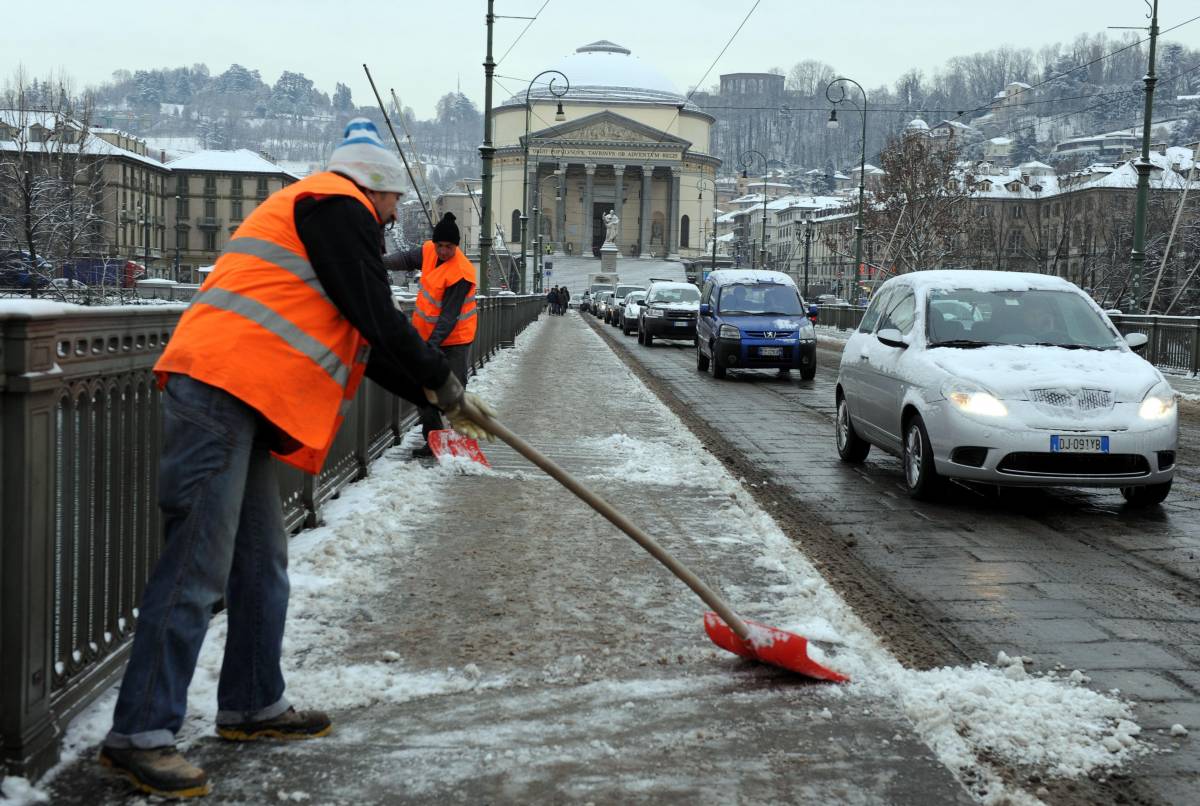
{"points": [[779, 313], [963, 343], [1067, 346]]}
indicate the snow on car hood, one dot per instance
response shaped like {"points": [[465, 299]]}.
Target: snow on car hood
{"points": [[677, 306], [1011, 371], [763, 322]]}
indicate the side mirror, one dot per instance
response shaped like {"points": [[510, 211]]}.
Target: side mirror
{"points": [[705, 309], [1137, 341], [892, 338]]}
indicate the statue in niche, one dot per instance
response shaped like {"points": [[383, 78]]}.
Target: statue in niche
{"points": [[611, 222], [656, 232]]}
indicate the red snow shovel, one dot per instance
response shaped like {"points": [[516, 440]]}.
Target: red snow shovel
{"points": [[726, 629], [444, 442]]}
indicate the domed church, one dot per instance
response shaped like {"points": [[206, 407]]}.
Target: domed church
{"points": [[626, 141]]}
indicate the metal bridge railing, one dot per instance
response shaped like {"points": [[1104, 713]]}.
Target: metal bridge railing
{"points": [[79, 523]]}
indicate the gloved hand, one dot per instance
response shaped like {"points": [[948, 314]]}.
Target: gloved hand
{"points": [[454, 403]]}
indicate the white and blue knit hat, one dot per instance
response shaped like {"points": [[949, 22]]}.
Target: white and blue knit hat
{"points": [[362, 157]]}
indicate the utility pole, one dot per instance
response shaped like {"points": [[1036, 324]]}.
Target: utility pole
{"points": [[807, 244], [485, 152], [1137, 258]]}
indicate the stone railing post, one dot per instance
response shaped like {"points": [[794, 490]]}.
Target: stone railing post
{"points": [[27, 432], [508, 333]]}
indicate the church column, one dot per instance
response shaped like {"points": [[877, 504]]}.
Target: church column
{"points": [[644, 239], [672, 234], [560, 210], [618, 205], [585, 246]]}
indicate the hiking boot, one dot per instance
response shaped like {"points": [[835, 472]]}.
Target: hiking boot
{"points": [[158, 771], [422, 452], [291, 724]]}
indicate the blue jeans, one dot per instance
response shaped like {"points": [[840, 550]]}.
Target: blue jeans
{"points": [[224, 537]]}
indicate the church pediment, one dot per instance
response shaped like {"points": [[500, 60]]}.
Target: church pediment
{"points": [[607, 128]]}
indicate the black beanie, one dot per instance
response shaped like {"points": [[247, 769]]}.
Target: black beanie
{"points": [[446, 230]]}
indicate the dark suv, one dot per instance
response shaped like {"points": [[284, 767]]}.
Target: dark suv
{"points": [[669, 312]]}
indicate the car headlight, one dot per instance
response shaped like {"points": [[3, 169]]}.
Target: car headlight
{"points": [[973, 399], [1158, 403], [653, 312], [728, 332]]}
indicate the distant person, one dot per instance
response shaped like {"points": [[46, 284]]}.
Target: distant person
{"points": [[261, 367], [552, 300], [564, 299], [445, 315]]}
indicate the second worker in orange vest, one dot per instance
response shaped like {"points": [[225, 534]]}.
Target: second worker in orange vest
{"points": [[445, 315]]}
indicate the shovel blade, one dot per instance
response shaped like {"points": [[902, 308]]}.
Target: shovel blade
{"points": [[445, 442], [769, 645]]}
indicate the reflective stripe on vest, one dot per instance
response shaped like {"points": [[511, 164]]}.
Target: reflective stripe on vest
{"points": [[262, 315], [461, 316], [275, 254]]}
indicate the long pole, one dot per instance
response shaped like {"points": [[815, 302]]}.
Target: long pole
{"points": [[763, 238], [1162, 265], [1137, 257], [807, 244], [486, 151], [525, 194], [396, 140]]}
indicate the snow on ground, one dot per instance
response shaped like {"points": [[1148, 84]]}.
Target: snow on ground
{"points": [[1049, 721]]}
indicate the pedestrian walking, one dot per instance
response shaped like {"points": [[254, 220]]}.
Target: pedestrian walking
{"points": [[445, 315], [564, 298], [263, 363], [552, 300]]}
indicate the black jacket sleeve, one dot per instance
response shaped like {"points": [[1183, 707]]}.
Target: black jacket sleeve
{"points": [[452, 302], [345, 248], [405, 260]]}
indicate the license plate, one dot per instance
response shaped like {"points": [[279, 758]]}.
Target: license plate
{"points": [[770, 352], [682, 324], [1060, 443]]}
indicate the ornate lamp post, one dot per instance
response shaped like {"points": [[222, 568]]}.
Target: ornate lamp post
{"points": [[537, 228], [746, 160], [177, 203], [700, 185], [862, 166], [556, 92]]}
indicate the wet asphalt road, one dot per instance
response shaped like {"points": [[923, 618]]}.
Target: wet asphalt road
{"points": [[1066, 577]]}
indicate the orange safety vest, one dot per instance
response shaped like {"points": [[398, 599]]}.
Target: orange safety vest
{"points": [[435, 280], [262, 329]]}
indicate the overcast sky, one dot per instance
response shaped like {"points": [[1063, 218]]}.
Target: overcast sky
{"points": [[424, 49]]}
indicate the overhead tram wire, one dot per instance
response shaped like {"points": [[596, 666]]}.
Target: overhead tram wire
{"points": [[412, 144], [396, 140], [532, 20]]}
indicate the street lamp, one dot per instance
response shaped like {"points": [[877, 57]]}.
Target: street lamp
{"points": [[537, 228], [747, 159], [700, 184], [555, 92], [178, 202], [862, 166]]}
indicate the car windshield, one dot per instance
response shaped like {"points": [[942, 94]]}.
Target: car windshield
{"points": [[683, 293], [622, 290], [968, 318], [760, 298], [635, 297]]}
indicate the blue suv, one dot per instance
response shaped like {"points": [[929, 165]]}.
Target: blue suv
{"points": [[753, 319]]}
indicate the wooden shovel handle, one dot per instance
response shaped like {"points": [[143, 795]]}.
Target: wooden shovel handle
{"points": [[610, 512]]}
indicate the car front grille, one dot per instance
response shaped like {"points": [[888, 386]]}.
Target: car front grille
{"points": [[1084, 465], [1084, 401], [771, 334]]}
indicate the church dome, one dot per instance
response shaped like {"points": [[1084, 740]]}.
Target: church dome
{"points": [[605, 71]]}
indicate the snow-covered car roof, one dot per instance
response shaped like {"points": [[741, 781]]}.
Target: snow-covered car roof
{"points": [[724, 276], [671, 284], [983, 280]]}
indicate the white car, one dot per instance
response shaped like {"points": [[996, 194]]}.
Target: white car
{"points": [[631, 310], [1004, 378]]}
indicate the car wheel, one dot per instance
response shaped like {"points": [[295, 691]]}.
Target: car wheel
{"points": [[648, 339], [624, 328], [641, 336], [1147, 495], [715, 367], [920, 475], [850, 446], [701, 360], [808, 373]]}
